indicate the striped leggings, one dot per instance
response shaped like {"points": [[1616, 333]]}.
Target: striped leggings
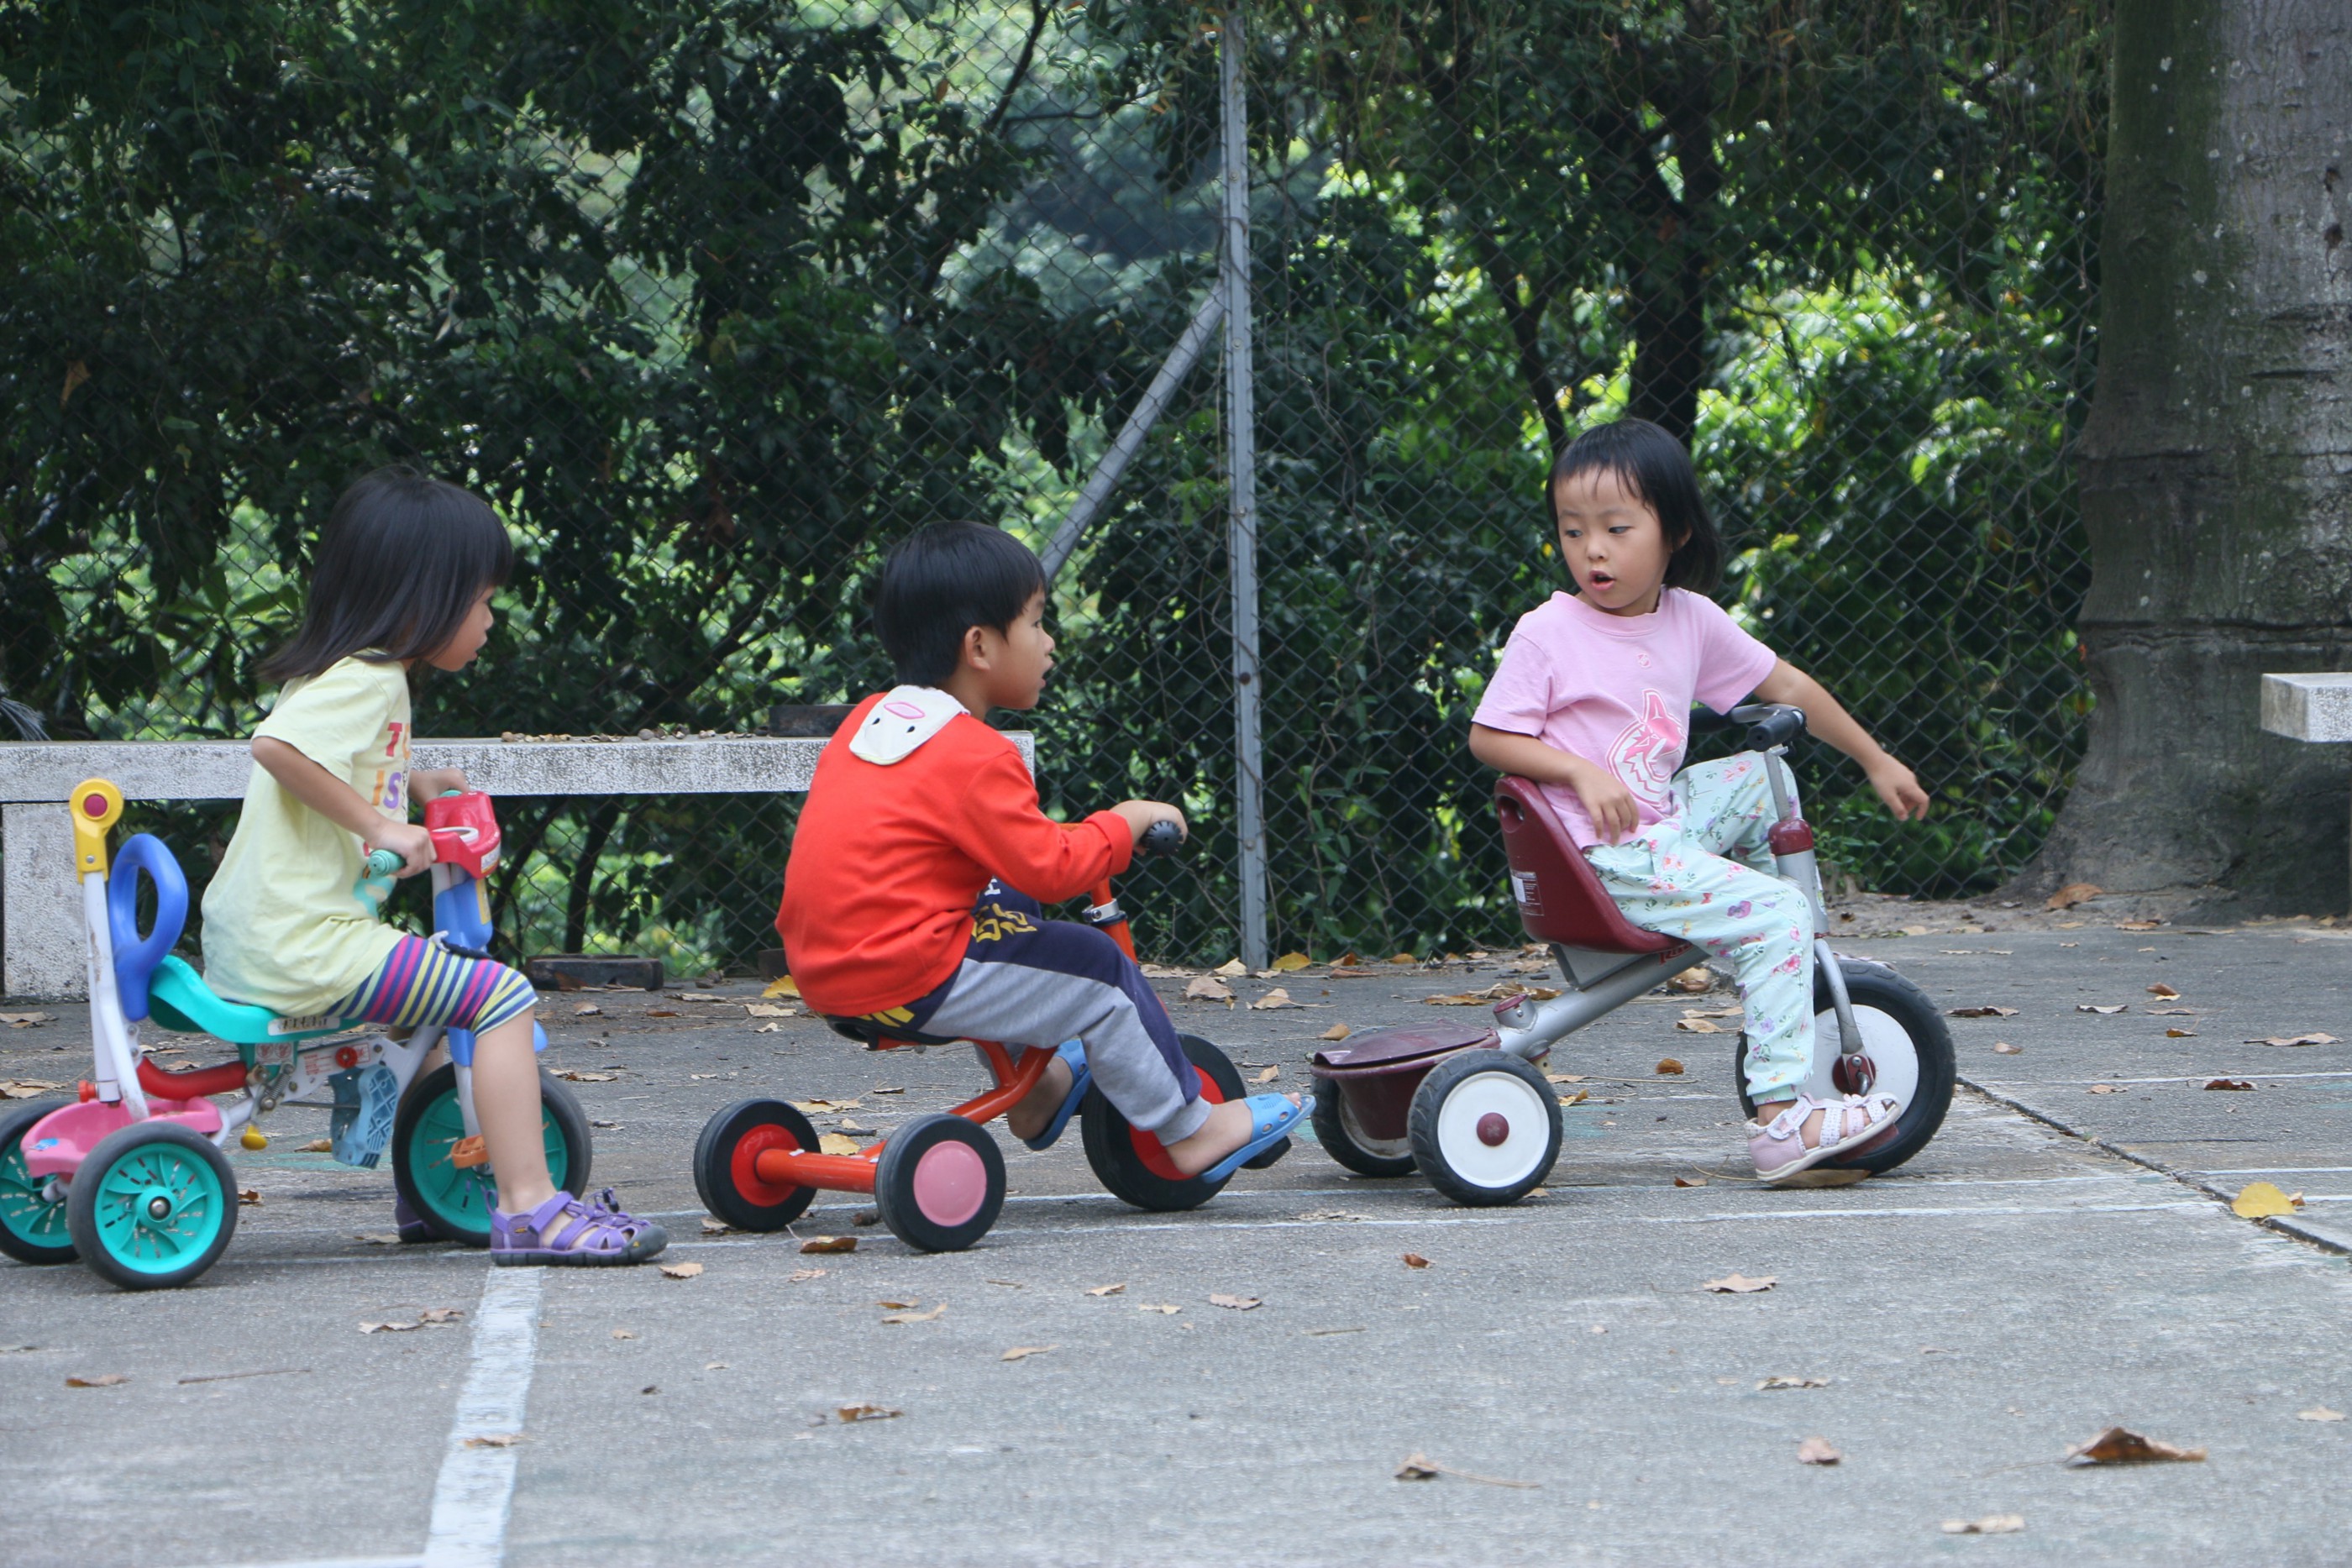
{"points": [[425, 983]]}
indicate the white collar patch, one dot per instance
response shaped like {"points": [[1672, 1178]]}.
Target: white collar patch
{"points": [[904, 718]]}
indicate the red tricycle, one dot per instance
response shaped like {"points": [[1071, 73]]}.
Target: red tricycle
{"points": [[1467, 1105], [939, 1181]]}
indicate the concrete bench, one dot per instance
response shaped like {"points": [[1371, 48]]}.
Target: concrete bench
{"points": [[2308, 707], [42, 909]]}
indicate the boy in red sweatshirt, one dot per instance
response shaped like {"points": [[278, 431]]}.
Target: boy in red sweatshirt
{"points": [[912, 895]]}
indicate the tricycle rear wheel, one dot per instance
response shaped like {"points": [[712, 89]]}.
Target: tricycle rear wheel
{"points": [[1336, 1128], [726, 1175], [154, 1205], [1132, 1165], [32, 1228]]}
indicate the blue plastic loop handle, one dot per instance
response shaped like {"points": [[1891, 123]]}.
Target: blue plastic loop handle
{"points": [[135, 956]]}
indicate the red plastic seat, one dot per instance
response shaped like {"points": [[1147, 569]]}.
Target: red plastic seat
{"points": [[1558, 897]]}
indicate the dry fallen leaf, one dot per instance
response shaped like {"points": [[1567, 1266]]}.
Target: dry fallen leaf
{"points": [[829, 1244], [1669, 1067], [2312, 1039], [915, 1317], [767, 1011], [2105, 1088], [250, 1197], [27, 1020], [1158, 1307], [388, 1328], [2170, 1012], [103, 1380], [1267, 1075], [2137, 925], [2122, 1446], [574, 1075], [1817, 1451], [2181, 1034], [2163, 991], [1789, 1381], [317, 1146], [495, 1440], [1415, 1261], [714, 1366], [2002, 1048], [2096, 1007], [1023, 1352], [1237, 1303], [2261, 1199], [681, 1270], [1691, 982], [715, 1227], [1291, 963], [1990, 1524], [896, 1306], [1690, 1181], [1698, 1026], [1564, 1077], [782, 986], [625, 1334], [1578, 1098], [1209, 989], [1422, 1468], [2319, 1413], [797, 1275], [1231, 966], [851, 1413], [2073, 894], [2229, 1083], [379, 1238], [1337, 1031], [1275, 999], [661, 1012], [837, 1143], [1984, 1011], [1404, 958], [1740, 1284], [1118, 1290], [436, 1316]]}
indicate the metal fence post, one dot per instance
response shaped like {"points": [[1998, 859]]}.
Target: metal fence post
{"points": [[1241, 495]]}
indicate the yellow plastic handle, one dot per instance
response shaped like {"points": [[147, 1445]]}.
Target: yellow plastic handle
{"points": [[96, 805]]}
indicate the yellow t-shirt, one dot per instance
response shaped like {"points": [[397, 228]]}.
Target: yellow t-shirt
{"points": [[292, 920]]}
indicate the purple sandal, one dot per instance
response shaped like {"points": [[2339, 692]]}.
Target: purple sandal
{"points": [[565, 1231]]}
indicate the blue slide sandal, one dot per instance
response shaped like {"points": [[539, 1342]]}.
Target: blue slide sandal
{"points": [[1074, 1053], [1271, 1118]]}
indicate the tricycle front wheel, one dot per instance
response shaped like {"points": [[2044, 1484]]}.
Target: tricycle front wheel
{"points": [[1908, 1047], [456, 1200]]}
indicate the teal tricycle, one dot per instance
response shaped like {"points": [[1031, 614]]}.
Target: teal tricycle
{"points": [[131, 1176]]}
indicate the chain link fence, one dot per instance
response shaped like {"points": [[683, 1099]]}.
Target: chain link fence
{"points": [[717, 298]]}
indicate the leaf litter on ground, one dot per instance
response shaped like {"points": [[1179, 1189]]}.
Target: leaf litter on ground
{"points": [[1422, 1468], [2122, 1446], [1740, 1284], [1817, 1451], [2261, 1199]]}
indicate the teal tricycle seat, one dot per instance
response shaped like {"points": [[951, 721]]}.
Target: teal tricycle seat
{"points": [[178, 999]]}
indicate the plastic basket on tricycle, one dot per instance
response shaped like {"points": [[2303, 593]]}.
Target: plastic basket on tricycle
{"points": [[1468, 1105], [131, 1177]]}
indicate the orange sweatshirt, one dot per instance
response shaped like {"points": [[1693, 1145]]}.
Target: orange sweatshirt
{"points": [[886, 861]]}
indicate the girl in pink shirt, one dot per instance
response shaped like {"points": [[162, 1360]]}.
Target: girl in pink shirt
{"points": [[1592, 701]]}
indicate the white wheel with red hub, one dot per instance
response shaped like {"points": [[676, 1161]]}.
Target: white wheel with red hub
{"points": [[940, 1183], [1485, 1127]]}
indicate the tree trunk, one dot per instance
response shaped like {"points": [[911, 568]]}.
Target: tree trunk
{"points": [[2216, 466]]}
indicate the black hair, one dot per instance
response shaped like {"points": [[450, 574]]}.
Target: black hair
{"points": [[401, 562], [941, 582], [1657, 469]]}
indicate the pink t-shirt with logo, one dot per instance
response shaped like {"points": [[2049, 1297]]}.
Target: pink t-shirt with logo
{"points": [[1616, 690]]}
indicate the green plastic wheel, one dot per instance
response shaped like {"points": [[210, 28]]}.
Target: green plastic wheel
{"points": [[154, 1205], [454, 1200], [32, 1228]]}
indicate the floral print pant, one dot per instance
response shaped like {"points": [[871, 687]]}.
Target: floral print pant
{"points": [[1704, 874]]}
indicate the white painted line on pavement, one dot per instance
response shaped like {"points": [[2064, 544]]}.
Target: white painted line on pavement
{"points": [[476, 1484], [338, 1562], [2186, 1078]]}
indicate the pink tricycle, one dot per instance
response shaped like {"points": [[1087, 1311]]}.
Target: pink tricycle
{"points": [[130, 1179]]}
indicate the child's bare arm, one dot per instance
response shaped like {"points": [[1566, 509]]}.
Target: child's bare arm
{"points": [[1897, 785], [342, 805], [1615, 813]]}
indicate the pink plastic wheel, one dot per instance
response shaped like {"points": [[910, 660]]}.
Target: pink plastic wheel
{"points": [[950, 1184]]}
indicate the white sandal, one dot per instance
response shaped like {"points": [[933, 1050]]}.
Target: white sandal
{"points": [[1849, 1126]]}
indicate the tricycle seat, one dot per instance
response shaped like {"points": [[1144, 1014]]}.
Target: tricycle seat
{"points": [[178, 999], [878, 1036], [1560, 899]]}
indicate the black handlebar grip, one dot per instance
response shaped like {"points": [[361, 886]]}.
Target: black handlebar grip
{"points": [[1778, 727], [1162, 838]]}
